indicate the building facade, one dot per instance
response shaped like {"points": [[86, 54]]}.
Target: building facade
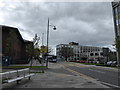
{"points": [[13, 45], [80, 52]]}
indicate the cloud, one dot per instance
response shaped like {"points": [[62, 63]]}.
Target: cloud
{"points": [[88, 23]]}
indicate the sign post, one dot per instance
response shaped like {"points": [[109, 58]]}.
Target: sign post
{"points": [[43, 51]]}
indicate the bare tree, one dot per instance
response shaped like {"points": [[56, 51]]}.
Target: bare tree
{"points": [[66, 52]]}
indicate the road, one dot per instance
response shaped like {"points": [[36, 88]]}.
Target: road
{"points": [[105, 76]]}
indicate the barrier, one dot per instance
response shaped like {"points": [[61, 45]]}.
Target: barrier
{"points": [[16, 75]]}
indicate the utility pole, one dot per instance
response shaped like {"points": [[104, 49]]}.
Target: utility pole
{"points": [[42, 39]]}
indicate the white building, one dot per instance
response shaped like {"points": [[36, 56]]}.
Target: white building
{"points": [[80, 52]]}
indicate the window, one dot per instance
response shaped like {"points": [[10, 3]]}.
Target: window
{"points": [[118, 21], [118, 30], [91, 54], [101, 53], [96, 54], [119, 9]]}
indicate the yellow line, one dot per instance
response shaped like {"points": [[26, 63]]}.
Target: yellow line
{"points": [[77, 73]]}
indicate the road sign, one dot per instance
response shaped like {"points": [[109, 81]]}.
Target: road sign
{"points": [[43, 49]]}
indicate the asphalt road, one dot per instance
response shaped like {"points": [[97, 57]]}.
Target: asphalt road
{"points": [[108, 77]]}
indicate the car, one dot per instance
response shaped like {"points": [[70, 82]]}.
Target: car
{"points": [[114, 63], [96, 62], [90, 61], [109, 63], [82, 61], [86, 61]]}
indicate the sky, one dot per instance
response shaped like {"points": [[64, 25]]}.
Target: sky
{"points": [[88, 23]]}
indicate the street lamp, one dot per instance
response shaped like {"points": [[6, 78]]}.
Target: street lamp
{"points": [[54, 28]]}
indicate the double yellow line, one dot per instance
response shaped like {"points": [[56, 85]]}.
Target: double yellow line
{"points": [[77, 73]]}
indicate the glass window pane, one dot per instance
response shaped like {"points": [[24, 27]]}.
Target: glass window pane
{"points": [[118, 30], [119, 9], [118, 21]]}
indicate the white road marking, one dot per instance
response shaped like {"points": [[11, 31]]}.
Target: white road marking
{"points": [[110, 84], [96, 71]]}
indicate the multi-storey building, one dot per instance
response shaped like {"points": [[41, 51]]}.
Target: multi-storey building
{"points": [[80, 52], [116, 18]]}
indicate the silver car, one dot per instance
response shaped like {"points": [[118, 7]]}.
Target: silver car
{"points": [[109, 63]]}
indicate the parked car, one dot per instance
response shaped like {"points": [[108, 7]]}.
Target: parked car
{"points": [[82, 61], [96, 62], [109, 63], [86, 61], [90, 61], [114, 63]]}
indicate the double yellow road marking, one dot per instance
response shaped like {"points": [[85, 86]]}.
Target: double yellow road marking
{"points": [[77, 73]]}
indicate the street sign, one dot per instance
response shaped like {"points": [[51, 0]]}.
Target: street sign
{"points": [[43, 49]]}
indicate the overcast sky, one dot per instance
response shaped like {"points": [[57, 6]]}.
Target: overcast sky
{"points": [[88, 23]]}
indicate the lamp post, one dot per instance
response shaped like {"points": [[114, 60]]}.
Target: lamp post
{"points": [[116, 18], [54, 28]]}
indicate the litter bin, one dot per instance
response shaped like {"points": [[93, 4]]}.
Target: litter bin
{"points": [[6, 60]]}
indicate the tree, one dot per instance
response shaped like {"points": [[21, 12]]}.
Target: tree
{"points": [[36, 52], [33, 49], [66, 52], [32, 52]]}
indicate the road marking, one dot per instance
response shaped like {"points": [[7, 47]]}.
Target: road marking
{"points": [[96, 71], [77, 73], [109, 84]]}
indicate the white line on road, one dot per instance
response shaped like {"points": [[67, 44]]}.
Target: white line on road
{"points": [[96, 71], [110, 84]]}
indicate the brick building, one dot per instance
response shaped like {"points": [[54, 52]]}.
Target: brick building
{"points": [[13, 45]]}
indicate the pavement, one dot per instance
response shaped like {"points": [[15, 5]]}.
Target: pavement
{"points": [[56, 77]]}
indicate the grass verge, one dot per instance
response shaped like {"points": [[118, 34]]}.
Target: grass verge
{"points": [[23, 67]]}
